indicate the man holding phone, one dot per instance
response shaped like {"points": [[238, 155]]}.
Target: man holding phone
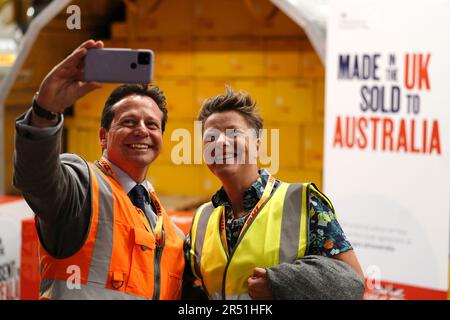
{"points": [[103, 232]]}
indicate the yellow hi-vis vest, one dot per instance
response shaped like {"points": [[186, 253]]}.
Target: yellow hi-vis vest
{"points": [[278, 233]]}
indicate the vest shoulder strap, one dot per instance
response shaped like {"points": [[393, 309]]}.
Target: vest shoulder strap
{"points": [[314, 188], [197, 235], [294, 223]]}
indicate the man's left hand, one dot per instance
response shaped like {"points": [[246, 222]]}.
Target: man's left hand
{"points": [[258, 285]]}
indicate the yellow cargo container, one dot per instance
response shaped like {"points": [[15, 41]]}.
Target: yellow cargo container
{"points": [[209, 183], [91, 105], [296, 176], [199, 47], [174, 58], [282, 58], [291, 101], [83, 137], [289, 149], [170, 179], [180, 97], [178, 142], [210, 88], [310, 65], [220, 18], [212, 58], [247, 58], [259, 90], [313, 146], [319, 100]]}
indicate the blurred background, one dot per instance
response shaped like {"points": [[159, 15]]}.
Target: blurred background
{"points": [[199, 46], [266, 47]]}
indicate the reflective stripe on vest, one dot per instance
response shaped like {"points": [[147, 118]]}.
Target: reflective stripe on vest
{"points": [[277, 234], [292, 221], [117, 259], [218, 296], [198, 235], [60, 289], [101, 256]]}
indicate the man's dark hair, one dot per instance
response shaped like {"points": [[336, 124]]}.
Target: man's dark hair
{"points": [[126, 90], [239, 101]]}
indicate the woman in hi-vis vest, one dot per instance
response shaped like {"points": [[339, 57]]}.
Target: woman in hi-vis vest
{"points": [[261, 238]]}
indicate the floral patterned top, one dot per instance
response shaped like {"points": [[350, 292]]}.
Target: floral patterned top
{"points": [[325, 234]]}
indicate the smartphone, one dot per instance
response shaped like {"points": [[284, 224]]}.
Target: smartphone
{"points": [[119, 65]]}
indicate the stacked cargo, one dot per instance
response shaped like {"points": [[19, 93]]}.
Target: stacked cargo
{"points": [[199, 47]]}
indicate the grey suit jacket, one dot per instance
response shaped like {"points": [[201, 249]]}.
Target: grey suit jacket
{"points": [[57, 189]]}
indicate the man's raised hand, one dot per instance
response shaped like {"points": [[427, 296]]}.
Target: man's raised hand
{"points": [[65, 84]]}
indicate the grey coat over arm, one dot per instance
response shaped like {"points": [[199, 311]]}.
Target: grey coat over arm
{"points": [[315, 278]]}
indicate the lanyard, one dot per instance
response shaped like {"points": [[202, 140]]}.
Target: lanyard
{"points": [[103, 165], [265, 196], [159, 221]]}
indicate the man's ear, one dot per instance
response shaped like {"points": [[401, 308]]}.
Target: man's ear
{"points": [[103, 140]]}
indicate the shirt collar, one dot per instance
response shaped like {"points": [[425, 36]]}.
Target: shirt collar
{"points": [[126, 182], [251, 195]]}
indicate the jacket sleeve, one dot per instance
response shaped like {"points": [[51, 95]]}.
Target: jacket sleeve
{"points": [[192, 290], [56, 187], [315, 278]]}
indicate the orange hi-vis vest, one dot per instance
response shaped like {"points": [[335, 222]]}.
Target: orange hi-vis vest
{"points": [[121, 258]]}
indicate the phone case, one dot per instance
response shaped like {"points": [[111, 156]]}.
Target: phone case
{"points": [[118, 65]]}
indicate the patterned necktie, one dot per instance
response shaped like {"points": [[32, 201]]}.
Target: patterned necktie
{"points": [[138, 196]]}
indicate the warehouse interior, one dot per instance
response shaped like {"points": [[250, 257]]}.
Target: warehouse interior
{"points": [[199, 47]]}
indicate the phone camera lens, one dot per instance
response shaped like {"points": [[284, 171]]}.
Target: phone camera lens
{"points": [[133, 65], [144, 58]]}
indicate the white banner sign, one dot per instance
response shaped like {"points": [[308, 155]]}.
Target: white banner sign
{"points": [[387, 140], [12, 213]]}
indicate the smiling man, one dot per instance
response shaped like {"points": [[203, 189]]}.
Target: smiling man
{"points": [[103, 232]]}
